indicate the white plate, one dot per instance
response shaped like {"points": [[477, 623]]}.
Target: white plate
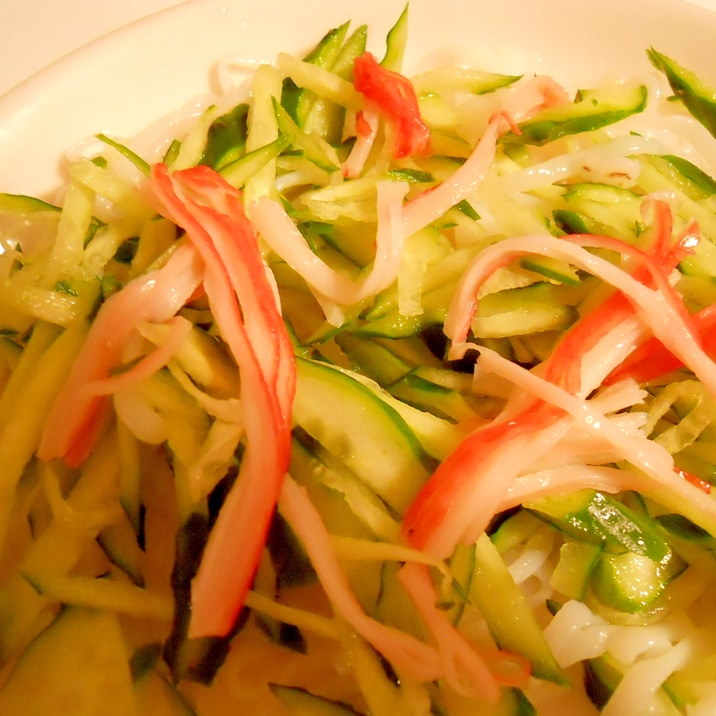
{"points": [[33, 24], [131, 77]]}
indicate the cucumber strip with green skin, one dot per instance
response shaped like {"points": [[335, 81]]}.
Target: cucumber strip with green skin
{"points": [[535, 308], [396, 41], [325, 118], [684, 686], [435, 390], [521, 705], [615, 210], [393, 605], [697, 96], [373, 359], [415, 352], [462, 571], [240, 170], [683, 528], [601, 677], [322, 82], [353, 424], [353, 47], [552, 269], [600, 519], [461, 79], [23, 205], [266, 85], [314, 100], [525, 320], [603, 674], [651, 180], [315, 149], [438, 281], [127, 153], [689, 178], [302, 702], [296, 100], [411, 176], [513, 530], [592, 109], [542, 307], [632, 582], [394, 325], [348, 506], [226, 137], [573, 222], [421, 392], [437, 436], [508, 614]]}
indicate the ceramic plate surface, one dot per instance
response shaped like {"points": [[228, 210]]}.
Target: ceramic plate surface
{"points": [[134, 76]]}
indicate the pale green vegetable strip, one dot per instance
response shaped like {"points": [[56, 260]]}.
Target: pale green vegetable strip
{"points": [[322, 82], [130, 473], [98, 593], [90, 506], [112, 187], [21, 430], [262, 130], [105, 243], [40, 304], [42, 337], [71, 233], [193, 144], [290, 615]]}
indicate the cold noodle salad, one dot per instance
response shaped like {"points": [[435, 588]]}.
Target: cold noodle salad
{"points": [[362, 391]]}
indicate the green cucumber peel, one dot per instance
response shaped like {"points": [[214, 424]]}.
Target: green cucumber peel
{"points": [[697, 96]]}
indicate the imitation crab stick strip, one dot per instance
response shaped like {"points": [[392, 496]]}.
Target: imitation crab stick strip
{"points": [[445, 508], [649, 457], [244, 306], [468, 487], [179, 330], [660, 308], [464, 303], [655, 262], [366, 133], [78, 412], [652, 360], [394, 96], [533, 95], [407, 654], [463, 666]]}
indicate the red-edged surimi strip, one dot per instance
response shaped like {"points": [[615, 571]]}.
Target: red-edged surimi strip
{"points": [[77, 415], [243, 304]]}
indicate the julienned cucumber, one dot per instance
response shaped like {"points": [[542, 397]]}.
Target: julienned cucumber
{"points": [[597, 518], [365, 433], [592, 109], [632, 582], [511, 621], [698, 97]]}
